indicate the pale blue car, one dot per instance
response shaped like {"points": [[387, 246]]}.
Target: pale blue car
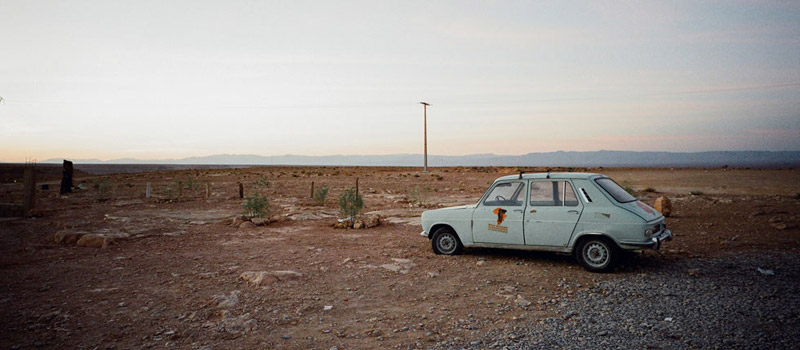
{"points": [[587, 215]]}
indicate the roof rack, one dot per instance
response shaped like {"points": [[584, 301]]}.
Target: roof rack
{"points": [[528, 172]]}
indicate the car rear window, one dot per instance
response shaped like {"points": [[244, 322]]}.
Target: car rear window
{"points": [[616, 191]]}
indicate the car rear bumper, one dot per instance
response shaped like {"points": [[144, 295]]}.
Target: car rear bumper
{"points": [[654, 242]]}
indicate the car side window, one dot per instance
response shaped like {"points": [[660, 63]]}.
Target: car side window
{"points": [[552, 194], [506, 194]]}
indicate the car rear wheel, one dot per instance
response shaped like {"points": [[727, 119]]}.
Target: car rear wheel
{"points": [[446, 242], [597, 254]]}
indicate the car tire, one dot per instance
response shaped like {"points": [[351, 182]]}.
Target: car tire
{"points": [[597, 254], [446, 242]]}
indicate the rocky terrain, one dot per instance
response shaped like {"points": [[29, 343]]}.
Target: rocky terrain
{"points": [[172, 271]]}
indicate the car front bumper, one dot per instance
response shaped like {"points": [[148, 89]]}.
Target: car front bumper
{"points": [[423, 234], [654, 242]]}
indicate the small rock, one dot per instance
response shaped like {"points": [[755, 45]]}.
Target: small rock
{"points": [[522, 302], [35, 213], [766, 272], [94, 241], [261, 221], [247, 225], [693, 272], [663, 205], [237, 221], [67, 237], [480, 263]]}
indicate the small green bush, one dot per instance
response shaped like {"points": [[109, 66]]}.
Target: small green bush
{"points": [[256, 206], [102, 186], [262, 182], [350, 204], [418, 195], [320, 195]]}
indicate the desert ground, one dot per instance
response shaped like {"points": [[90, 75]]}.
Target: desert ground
{"points": [[168, 272]]}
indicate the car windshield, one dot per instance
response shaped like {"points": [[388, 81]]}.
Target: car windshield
{"points": [[619, 193]]}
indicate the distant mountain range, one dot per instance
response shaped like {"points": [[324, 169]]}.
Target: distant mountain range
{"points": [[766, 159]]}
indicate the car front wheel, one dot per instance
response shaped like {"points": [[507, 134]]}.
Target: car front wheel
{"points": [[596, 255], [446, 242]]}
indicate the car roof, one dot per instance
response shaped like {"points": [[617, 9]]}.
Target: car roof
{"points": [[552, 176]]}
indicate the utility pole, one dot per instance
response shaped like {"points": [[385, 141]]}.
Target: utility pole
{"points": [[425, 113]]}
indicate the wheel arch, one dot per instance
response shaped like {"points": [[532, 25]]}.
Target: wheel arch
{"points": [[436, 227], [587, 235]]}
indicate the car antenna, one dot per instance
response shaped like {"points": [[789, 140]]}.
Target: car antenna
{"points": [[548, 174]]}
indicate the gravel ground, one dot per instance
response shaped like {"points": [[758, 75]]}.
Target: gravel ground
{"points": [[709, 303]]}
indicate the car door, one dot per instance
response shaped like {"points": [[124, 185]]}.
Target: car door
{"points": [[498, 218], [552, 213]]}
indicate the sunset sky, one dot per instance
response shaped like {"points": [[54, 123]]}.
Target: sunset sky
{"points": [[172, 79]]}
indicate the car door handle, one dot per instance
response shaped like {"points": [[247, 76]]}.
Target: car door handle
{"points": [[572, 211], [517, 210]]}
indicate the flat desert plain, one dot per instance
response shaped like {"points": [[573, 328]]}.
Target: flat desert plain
{"points": [[169, 272]]}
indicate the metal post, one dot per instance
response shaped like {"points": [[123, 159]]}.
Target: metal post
{"points": [[425, 113]]}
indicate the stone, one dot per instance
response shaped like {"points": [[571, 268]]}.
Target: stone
{"points": [[240, 324], [358, 224], [247, 225], [226, 301], [261, 221], [480, 263], [521, 301], [67, 237], [35, 213], [392, 267], [693, 272], [260, 278], [94, 240], [663, 205], [372, 221], [237, 221], [343, 224]]}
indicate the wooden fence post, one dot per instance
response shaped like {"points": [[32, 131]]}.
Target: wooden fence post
{"points": [[29, 196]]}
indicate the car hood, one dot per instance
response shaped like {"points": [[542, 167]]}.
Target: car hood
{"points": [[460, 207], [642, 210]]}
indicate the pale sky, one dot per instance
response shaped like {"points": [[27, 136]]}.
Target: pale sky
{"points": [[172, 79]]}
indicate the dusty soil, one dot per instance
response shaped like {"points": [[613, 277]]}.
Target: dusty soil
{"points": [[172, 277]]}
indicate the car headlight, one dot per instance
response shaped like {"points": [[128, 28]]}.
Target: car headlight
{"points": [[648, 232]]}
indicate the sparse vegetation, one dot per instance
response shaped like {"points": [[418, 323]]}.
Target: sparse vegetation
{"points": [[101, 186], [263, 182], [418, 195], [649, 190], [256, 206], [320, 195], [350, 204]]}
